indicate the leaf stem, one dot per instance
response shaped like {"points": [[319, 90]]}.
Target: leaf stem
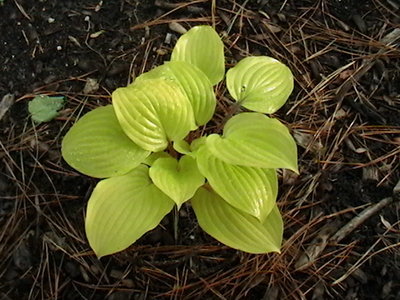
{"points": [[176, 223]]}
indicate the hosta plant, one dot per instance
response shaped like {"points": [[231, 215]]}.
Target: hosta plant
{"points": [[141, 149]]}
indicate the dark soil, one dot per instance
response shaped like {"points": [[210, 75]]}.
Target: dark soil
{"points": [[344, 113]]}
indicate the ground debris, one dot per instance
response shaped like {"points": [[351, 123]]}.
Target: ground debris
{"points": [[359, 219], [6, 102]]}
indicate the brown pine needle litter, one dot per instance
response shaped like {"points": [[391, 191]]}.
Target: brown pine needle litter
{"points": [[341, 214]]}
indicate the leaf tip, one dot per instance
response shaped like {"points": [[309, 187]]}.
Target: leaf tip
{"points": [[98, 255], [295, 168], [277, 251]]}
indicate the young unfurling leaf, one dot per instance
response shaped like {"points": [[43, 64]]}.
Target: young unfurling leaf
{"points": [[177, 179]]}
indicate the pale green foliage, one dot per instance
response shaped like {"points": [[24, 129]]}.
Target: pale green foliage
{"points": [[151, 117], [193, 82], [254, 140], [260, 83], [123, 208], [235, 228], [202, 47], [97, 146], [184, 147], [178, 180], [252, 190], [230, 179], [44, 108]]}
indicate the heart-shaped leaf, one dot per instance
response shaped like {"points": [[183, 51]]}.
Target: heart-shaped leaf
{"points": [[195, 84], [201, 46], [251, 190], [255, 140], [260, 83], [235, 228], [153, 113], [97, 146], [179, 180], [121, 209]]}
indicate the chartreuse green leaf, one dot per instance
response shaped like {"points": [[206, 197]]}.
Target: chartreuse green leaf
{"points": [[97, 146], [235, 228], [260, 83], [201, 46], [255, 140], [178, 180], [194, 83], [153, 113], [121, 209], [183, 147], [251, 190]]}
